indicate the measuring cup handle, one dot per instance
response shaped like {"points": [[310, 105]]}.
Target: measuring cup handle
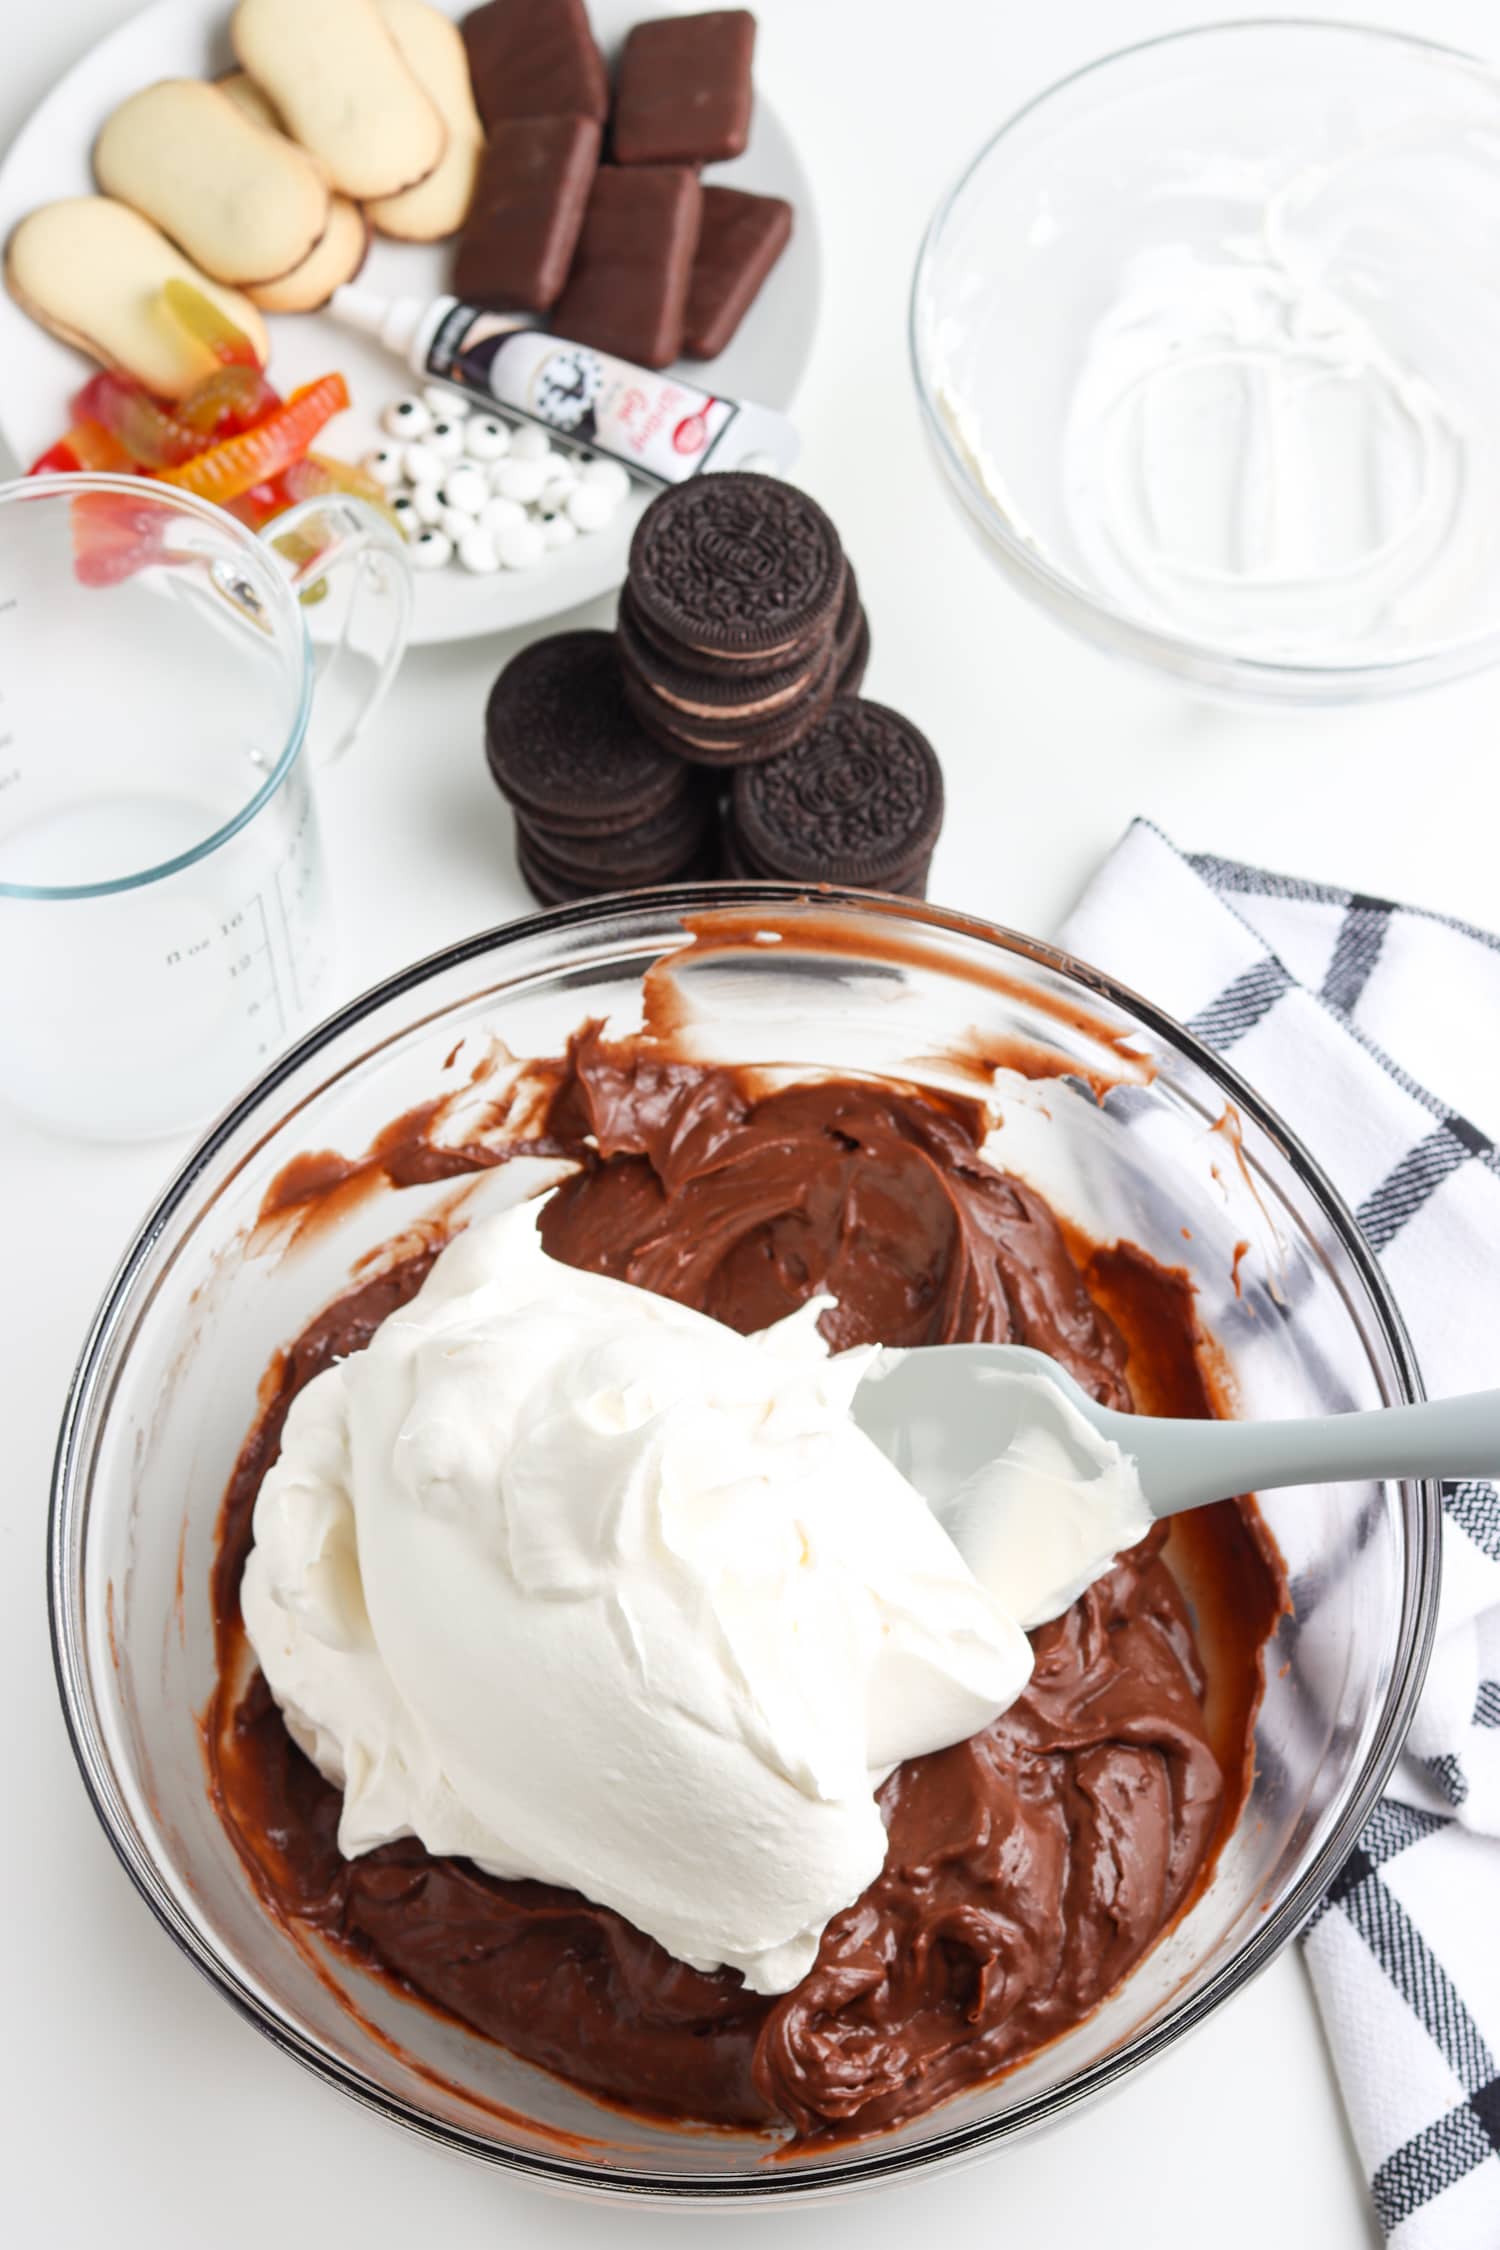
{"points": [[342, 543]]}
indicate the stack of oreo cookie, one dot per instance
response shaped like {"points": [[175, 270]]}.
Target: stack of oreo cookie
{"points": [[598, 806], [740, 620], [719, 729], [860, 803]]}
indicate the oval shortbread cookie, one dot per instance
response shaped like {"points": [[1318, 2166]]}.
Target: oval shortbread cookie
{"points": [[334, 260], [240, 88], [433, 47], [244, 204], [92, 271], [338, 80]]}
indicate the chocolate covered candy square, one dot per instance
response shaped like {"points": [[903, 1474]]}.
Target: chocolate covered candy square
{"points": [[535, 58], [529, 202], [627, 292], [684, 90], [740, 240]]}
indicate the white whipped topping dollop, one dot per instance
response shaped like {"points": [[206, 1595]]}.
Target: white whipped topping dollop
{"points": [[581, 1585]]}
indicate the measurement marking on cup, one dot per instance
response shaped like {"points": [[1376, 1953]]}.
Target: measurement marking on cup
{"points": [[291, 950], [267, 949], [181, 953]]}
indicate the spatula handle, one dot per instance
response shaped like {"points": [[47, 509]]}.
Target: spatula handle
{"points": [[1184, 1464]]}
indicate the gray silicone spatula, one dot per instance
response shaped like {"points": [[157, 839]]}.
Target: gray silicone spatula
{"points": [[944, 1412]]}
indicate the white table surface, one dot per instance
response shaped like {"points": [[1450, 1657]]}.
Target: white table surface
{"points": [[138, 2110]]}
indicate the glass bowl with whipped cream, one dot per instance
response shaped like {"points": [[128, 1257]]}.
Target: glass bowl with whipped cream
{"points": [[1202, 339], [509, 1675]]}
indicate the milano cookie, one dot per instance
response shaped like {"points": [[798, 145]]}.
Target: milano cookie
{"points": [[242, 203], [432, 48], [334, 260], [92, 271], [240, 88], [339, 253], [335, 75]]}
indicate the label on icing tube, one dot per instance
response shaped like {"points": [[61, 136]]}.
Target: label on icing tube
{"points": [[655, 424]]}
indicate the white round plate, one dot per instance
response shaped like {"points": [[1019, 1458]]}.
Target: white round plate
{"points": [[190, 39]]}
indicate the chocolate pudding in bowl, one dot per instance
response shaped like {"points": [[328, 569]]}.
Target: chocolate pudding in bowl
{"points": [[421, 1841]]}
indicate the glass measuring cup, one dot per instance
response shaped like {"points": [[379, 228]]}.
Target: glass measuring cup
{"points": [[162, 926]]}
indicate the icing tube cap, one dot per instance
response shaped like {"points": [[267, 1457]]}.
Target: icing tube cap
{"points": [[394, 321]]}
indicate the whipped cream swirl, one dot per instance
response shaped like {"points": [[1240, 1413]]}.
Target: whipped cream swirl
{"points": [[573, 1581]]}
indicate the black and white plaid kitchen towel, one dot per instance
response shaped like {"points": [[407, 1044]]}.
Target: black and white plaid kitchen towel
{"points": [[1375, 1030]]}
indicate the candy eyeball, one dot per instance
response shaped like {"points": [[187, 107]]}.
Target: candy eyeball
{"points": [[476, 551], [485, 439], [423, 464], [445, 405], [520, 546], [384, 465], [466, 487], [607, 477], [591, 507], [517, 478], [498, 513], [562, 478], [470, 489], [407, 418]]}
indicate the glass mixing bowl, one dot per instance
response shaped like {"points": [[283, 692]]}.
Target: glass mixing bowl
{"points": [[1203, 340], [1132, 1129]]}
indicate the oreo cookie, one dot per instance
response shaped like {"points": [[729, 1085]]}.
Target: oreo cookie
{"points": [[851, 639], [736, 570], [551, 888], [564, 747], [599, 806], [545, 888], [741, 634], [856, 658], [737, 867], [851, 615], [738, 741], [649, 852], [859, 802], [686, 695]]}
